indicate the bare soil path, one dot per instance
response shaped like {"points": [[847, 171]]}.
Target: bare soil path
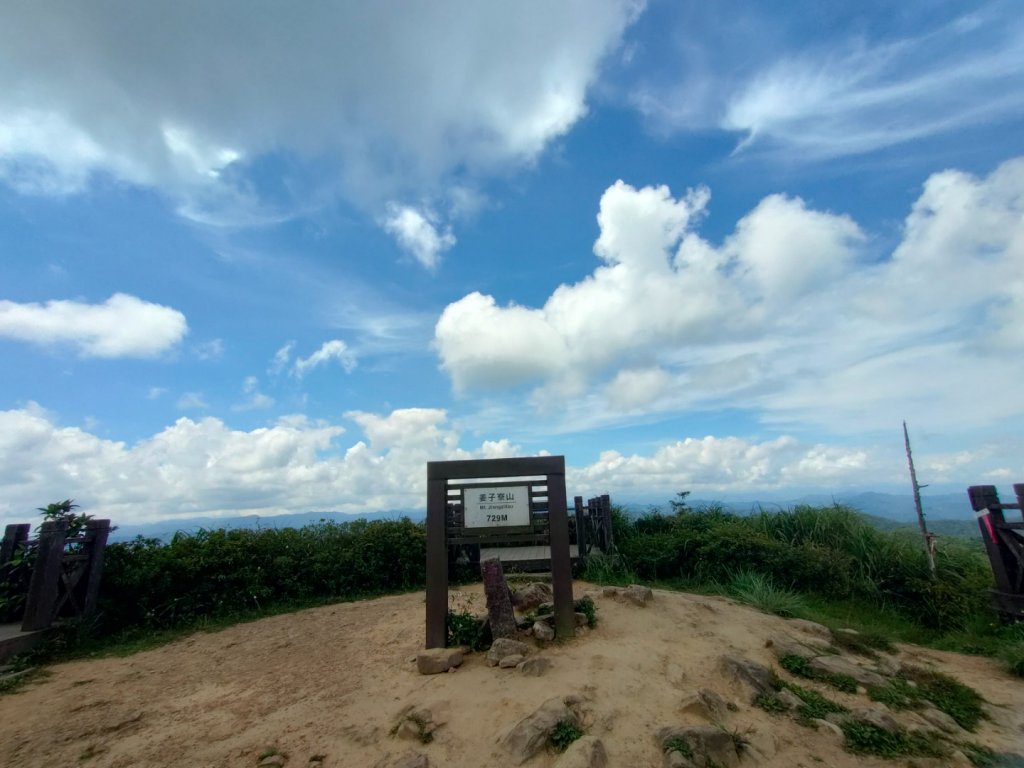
{"points": [[328, 684]]}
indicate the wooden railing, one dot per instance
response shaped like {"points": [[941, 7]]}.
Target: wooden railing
{"points": [[65, 571], [1004, 543]]}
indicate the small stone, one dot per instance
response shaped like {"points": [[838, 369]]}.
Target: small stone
{"points": [[609, 591], [747, 672], [581, 619], [543, 631], [509, 662], [412, 760], [706, 704], [273, 761], [536, 666], [503, 647], [789, 698], [940, 720], [435, 660], [638, 595]]}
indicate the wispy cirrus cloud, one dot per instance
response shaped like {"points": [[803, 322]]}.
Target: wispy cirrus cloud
{"points": [[844, 92]]}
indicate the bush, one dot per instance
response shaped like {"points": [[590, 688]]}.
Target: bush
{"points": [[217, 572]]}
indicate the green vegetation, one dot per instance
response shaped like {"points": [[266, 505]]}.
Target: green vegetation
{"points": [[869, 739], [760, 591], [913, 687], [585, 605], [678, 744], [466, 629], [813, 705], [770, 703], [564, 734], [801, 667]]}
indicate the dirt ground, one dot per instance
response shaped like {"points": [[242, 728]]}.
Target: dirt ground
{"points": [[329, 683]]}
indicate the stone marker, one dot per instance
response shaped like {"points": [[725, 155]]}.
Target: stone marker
{"points": [[499, 606]]}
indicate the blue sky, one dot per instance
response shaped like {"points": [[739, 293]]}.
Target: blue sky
{"points": [[254, 260]]}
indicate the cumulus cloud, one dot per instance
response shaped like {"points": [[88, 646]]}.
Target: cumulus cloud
{"points": [[417, 233], [335, 349], [204, 467], [791, 314], [189, 98], [122, 326]]}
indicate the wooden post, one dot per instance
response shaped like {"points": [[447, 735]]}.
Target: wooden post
{"points": [[437, 561], [581, 528], [561, 559], [606, 514], [985, 503], [96, 534], [15, 537], [42, 589]]}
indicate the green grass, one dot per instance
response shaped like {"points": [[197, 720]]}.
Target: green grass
{"points": [[585, 605], [914, 687], [678, 744], [760, 591], [770, 703], [564, 734], [864, 738], [13, 685], [813, 705], [801, 667]]}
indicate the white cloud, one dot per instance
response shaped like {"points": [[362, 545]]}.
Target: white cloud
{"points": [[188, 98], [155, 393], [417, 233], [254, 399], [281, 359], [192, 401], [203, 467], [335, 349], [210, 350], [122, 326], [788, 316]]}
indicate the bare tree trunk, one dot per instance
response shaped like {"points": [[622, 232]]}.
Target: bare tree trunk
{"points": [[929, 539]]}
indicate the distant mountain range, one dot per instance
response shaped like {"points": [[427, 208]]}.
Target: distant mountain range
{"points": [[947, 514]]}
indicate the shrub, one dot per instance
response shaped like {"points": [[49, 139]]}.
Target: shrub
{"points": [[564, 734], [760, 591]]}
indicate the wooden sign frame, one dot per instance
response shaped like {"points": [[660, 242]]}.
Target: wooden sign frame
{"points": [[509, 472]]}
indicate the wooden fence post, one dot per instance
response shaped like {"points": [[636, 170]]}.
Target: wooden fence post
{"points": [[42, 589], [96, 534], [581, 529], [15, 537]]}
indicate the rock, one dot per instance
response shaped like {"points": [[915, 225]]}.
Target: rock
{"points": [[941, 720], [581, 619], [409, 730], [675, 675], [543, 631], [273, 761], [637, 594], [503, 647], [750, 673], [789, 698], [761, 744], [412, 760], [880, 718], [609, 591], [676, 760], [530, 735], [419, 723], [888, 666], [710, 745], [706, 704], [831, 729], [435, 660], [510, 662], [536, 666], [586, 752], [840, 665], [786, 645], [499, 607], [531, 596], [812, 628]]}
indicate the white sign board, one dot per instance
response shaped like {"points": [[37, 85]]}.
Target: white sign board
{"points": [[496, 507]]}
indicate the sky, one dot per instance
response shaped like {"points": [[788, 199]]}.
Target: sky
{"points": [[257, 259]]}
